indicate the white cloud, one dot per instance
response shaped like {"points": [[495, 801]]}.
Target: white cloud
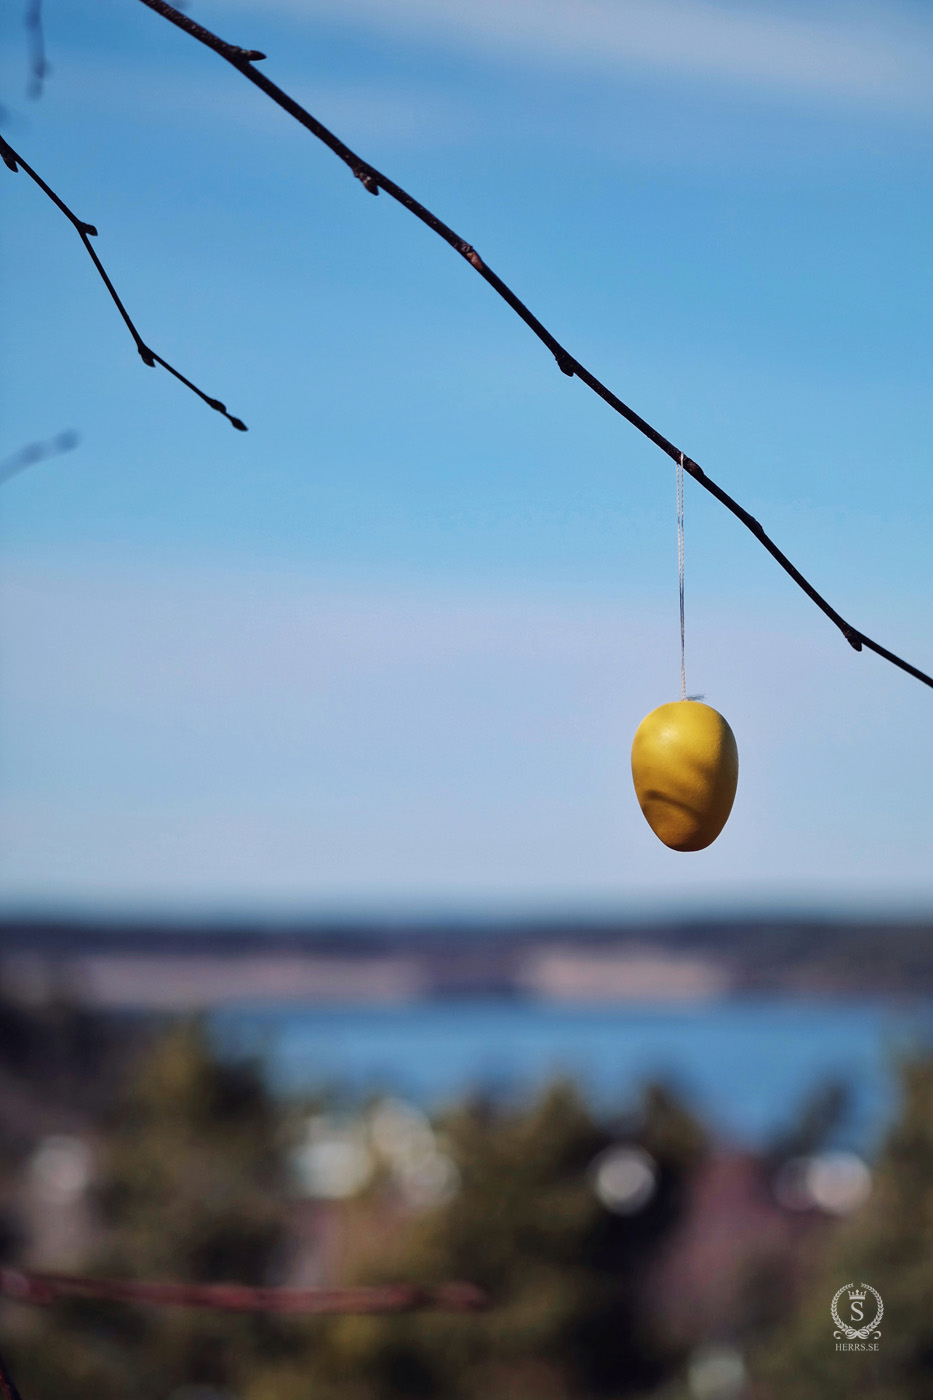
{"points": [[880, 54]]}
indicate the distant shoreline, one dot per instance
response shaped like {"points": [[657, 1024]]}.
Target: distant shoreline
{"points": [[170, 967]]}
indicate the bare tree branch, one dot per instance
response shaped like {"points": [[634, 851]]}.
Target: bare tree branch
{"points": [[37, 452], [86, 232], [374, 181], [44, 1289]]}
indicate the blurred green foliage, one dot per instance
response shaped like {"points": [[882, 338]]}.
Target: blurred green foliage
{"points": [[194, 1184], [889, 1245], [192, 1188], [564, 1275]]}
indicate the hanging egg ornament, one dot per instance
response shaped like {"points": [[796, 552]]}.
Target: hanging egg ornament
{"points": [[685, 766]]}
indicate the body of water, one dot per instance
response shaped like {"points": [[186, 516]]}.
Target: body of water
{"points": [[745, 1066]]}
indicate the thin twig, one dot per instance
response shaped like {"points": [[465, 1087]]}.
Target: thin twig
{"points": [[38, 62], [37, 452], [44, 1289], [86, 232], [374, 181]]}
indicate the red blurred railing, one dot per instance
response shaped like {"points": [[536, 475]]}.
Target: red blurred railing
{"points": [[43, 1289]]}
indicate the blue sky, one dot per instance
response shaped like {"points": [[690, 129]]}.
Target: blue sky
{"points": [[388, 649]]}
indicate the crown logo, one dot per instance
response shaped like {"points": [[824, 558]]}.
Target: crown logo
{"points": [[856, 1295]]}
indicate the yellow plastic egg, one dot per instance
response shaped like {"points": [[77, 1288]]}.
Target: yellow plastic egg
{"points": [[685, 766]]}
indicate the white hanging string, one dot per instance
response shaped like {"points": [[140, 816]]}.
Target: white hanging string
{"points": [[680, 569]]}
